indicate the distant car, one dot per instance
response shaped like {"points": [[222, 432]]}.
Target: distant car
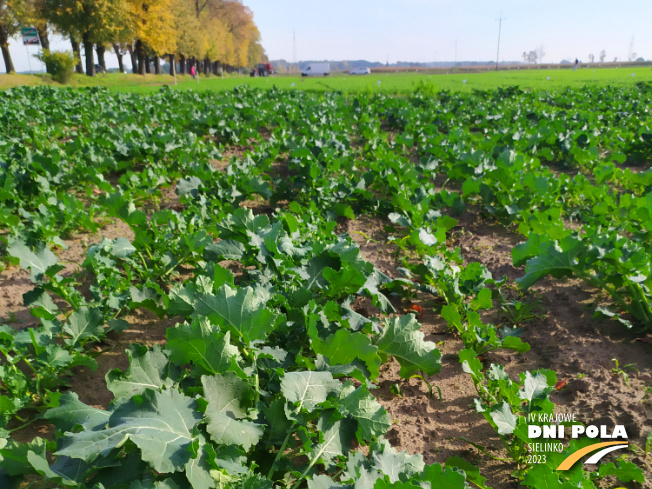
{"points": [[317, 69], [360, 71]]}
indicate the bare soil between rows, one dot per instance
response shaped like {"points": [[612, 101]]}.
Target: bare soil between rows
{"points": [[579, 347]]}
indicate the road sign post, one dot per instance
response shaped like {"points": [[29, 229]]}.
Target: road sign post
{"points": [[30, 38]]}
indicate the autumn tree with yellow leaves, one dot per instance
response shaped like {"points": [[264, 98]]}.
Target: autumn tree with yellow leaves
{"points": [[207, 34], [92, 21]]}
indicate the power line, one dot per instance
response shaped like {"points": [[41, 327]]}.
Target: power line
{"points": [[500, 24], [294, 48]]}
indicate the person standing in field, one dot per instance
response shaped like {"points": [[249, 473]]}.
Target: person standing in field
{"points": [[577, 64], [193, 72]]}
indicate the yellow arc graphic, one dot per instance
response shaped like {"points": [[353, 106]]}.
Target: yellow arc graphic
{"points": [[574, 457]]}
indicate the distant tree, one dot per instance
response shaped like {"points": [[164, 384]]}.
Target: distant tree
{"points": [[120, 50], [32, 13], [532, 57], [525, 57], [540, 53], [615, 59], [9, 27], [153, 30], [191, 39], [632, 57], [591, 58], [92, 21], [603, 56]]}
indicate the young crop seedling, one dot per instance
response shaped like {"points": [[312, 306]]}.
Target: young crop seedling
{"points": [[622, 371], [516, 312]]}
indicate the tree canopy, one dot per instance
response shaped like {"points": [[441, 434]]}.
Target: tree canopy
{"points": [[209, 32]]}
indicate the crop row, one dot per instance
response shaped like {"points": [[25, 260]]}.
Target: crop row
{"points": [[267, 379]]}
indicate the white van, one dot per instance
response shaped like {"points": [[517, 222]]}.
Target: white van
{"points": [[317, 69]]}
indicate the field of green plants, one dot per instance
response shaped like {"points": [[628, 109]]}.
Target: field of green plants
{"points": [[307, 257], [390, 83]]}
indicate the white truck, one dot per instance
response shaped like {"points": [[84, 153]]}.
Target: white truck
{"points": [[317, 69]]}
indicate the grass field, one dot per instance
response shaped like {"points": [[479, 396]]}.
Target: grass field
{"points": [[385, 82]]}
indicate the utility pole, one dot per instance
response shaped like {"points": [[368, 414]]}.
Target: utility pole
{"points": [[500, 23], [294, 49]]}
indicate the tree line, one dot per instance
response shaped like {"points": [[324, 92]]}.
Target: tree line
{"points": [[206, 34]]}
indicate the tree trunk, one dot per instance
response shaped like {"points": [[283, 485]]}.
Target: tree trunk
{"points": [[43, 35], [157, 64], [88, 53], [148, 64], [118, 53], [100, 50], [140, 53], [4, 46], [45, 41], [207, 64], [182, 64], [9, 64], [75, 50], [134, 60], [173, 68]]}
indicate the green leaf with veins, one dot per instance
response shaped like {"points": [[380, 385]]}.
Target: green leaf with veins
{"points": [[344, 346], [337, 437], [227, 249], [324, 482], [625, 471], [239, 311], [72, 412], [402, 339], [68, 471], [148, 369], [37, 263], [277, 423], [440, 477], [83, 324], [227, 397], [198, 470], [228, 394], [13, 455], [394, 463], [159, 423], [200, 344], [534, 386], [122, 248], [308, 388], [559, 259], [472, 472], [373, 420], [544, 477], [504, 418], [346, 281], [224, 430]]}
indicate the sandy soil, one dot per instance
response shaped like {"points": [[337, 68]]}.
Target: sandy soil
{"points": [[566, 338]]}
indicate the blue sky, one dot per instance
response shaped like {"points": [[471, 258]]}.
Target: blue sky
{"points": [[422, 30], [428, 30]]}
